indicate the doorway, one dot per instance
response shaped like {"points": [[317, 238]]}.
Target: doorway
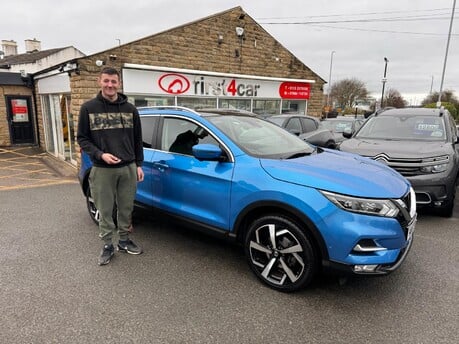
{"points": [[59, 128], [20, 119]]}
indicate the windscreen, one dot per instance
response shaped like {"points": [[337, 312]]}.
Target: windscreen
{"points": [[260, 138], [406, 127]]}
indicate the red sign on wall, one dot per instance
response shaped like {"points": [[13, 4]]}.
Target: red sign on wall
{"points": [[294, 90]]}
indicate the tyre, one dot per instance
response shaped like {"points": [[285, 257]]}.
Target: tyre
{"points": [[280, 254], [448, 209], [92, 210]]}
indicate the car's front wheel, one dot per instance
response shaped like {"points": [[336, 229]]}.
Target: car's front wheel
{"points": [[280, 253]]}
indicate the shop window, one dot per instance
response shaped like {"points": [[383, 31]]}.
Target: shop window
{"points": [[240, 104], [266, 107], [197, 103], [140, 101]]}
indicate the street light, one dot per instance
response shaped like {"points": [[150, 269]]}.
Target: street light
{"points": [[329, 78], [446, 54], [384, 81]]}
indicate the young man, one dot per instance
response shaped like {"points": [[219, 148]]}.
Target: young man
{"points": [[109, 131]]}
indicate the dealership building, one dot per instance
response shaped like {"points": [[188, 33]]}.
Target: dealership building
{"points": [[226, 60]]}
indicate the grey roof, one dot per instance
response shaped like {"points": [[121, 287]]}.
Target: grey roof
{"points": [[29, 57]]}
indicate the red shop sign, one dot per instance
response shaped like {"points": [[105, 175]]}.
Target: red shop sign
{"points": [[294, 90]]}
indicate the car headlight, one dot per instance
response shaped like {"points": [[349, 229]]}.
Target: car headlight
{"points": [[369, 206], [435, 165], [434, 168]]}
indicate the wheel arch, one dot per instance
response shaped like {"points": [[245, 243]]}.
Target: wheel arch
{"points": [[85, 181], [259, 209]]}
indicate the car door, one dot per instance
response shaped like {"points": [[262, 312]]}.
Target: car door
{"points": [[185, 186], [150, 124], [310, 132]]}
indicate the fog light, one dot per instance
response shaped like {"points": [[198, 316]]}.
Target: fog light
{"points": [[365, 268]]}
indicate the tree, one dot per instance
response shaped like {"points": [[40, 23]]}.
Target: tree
{"points": [[347, 91], [395, 99], [448, 100], [447, 96]]}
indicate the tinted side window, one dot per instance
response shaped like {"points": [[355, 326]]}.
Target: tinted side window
{"points": [[179, 136], [149, 125], [308, 124], [294, 124]]}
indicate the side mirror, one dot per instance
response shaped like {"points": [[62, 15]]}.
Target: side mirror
{"points": [[207, 152], [295, 131], [347, 133]]}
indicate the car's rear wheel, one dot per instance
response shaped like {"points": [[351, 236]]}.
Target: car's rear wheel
{"points": [[92, 209], [280, 253]]}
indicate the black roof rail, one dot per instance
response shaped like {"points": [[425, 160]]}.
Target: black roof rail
{"points": [[383, 109], [442, 111]]}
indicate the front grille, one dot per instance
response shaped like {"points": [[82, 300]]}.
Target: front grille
{"points": [[409, 166], [406, 214]]}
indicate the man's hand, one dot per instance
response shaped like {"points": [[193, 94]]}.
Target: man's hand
{"points": [[110, 159], [140, 174]]}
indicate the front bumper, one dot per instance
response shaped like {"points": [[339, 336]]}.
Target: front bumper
{"points": [[434, 189], [368, 269]]}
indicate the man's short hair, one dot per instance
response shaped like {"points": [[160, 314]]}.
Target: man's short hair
{"points": [[110, 71]]}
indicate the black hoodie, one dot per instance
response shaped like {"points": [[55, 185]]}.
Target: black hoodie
{"points": [[110, 127]]}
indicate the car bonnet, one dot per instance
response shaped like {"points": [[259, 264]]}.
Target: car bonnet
{"points": [[395, 148], [340, 172]]}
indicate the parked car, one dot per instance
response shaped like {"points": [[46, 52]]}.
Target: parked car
{"points": [[296, 208], [421, 144], [338, 124], [308, 128]]}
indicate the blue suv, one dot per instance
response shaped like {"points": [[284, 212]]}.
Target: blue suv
{"points": [[295, 208]]}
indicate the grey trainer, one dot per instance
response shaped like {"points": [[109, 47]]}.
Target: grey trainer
{"points": [[106, 254], [129, 246]]}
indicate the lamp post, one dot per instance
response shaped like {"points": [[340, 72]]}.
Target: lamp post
{"points": [[329, 77], [384, 81], [446, 54]]}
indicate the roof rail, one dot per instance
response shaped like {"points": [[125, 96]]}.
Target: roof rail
{"points": [[168, 107], [383, 109]]}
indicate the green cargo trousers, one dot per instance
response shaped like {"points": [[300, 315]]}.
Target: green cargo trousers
{"points": [[110, 187]]}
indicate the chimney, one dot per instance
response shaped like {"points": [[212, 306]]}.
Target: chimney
{"points": [[32, 45], [9, 47]]}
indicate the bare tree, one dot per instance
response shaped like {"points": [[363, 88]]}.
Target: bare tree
{"points": [[395, 99], [347, 91]]}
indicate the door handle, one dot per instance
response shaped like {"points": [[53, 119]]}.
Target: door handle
{"points": [[160, 165]]}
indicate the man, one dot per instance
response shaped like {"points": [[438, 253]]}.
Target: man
{"points": [[109, 131]]}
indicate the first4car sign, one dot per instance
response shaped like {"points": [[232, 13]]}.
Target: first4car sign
{"points": [[173, 83]]}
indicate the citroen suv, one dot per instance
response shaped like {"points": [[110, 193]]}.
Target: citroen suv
{"points": [[419, 143], [295, 208]]}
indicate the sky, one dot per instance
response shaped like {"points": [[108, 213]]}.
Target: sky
{"points": [[336, 39]]}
